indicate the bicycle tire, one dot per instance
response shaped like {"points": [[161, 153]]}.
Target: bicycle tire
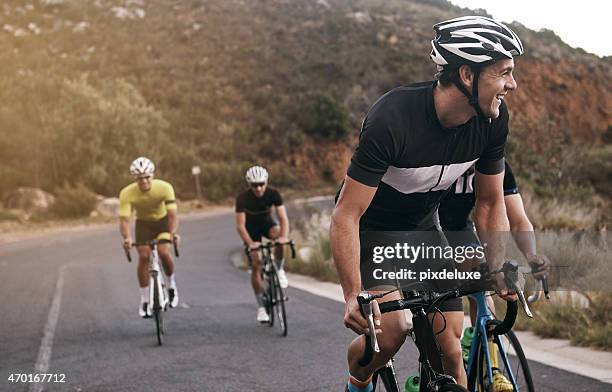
{"points": [[280, 304], [518, 362], [452, 388], [271, 298], [157, 313]]}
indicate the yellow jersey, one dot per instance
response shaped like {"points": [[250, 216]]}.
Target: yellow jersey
{"points": [[152, 205]]}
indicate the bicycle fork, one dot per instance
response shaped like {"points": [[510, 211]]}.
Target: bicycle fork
{"points": [[156, 280]]}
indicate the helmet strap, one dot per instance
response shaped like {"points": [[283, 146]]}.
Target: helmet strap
{"points": [[473, 97]]}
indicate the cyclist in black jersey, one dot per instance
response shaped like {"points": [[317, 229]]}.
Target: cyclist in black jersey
{"points": [[454, 215], [454, 212], [254, 220], [415, 142]]}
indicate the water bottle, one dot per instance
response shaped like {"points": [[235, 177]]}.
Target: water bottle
{"points": [[466, 342], [412, 383]]}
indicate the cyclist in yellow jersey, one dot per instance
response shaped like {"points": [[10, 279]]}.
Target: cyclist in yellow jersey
{"points": [[156, 218]]}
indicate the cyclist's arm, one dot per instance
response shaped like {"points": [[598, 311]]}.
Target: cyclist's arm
{"points": [[241, 228], [281, 212], [172, 221], [490, 216], [171, 208], [125, 211], [520, 226], [353, 201], [124, 226]]}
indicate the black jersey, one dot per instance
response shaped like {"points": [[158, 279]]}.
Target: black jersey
{"points": [[404, 150], [455, 207], [258, 209]]}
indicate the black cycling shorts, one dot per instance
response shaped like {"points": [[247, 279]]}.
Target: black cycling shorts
{"points": [[262, 230], [147, 231], [431, 237]]}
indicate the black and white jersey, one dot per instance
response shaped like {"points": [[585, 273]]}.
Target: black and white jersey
{"points": [[258, 210], [404, 151], [456, 206]]}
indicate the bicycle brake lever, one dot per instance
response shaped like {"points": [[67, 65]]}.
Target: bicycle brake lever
{"points": [[521, 298], [365, 304], [511, 272], [536, 293]]}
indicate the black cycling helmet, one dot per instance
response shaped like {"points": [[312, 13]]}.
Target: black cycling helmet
{"points": [[476, 41]]}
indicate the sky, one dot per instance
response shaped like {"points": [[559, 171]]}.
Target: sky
{"points": [[583, 23]]}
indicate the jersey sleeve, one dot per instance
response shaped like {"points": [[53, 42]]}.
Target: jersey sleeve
{"points": [[240, 204], [492, 159], [125, 207], [375, 152], [277, 199], [169, 198], [510, 187]]}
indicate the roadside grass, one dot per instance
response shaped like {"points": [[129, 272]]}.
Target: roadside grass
{"points": [[313, 234], [564, 319]]}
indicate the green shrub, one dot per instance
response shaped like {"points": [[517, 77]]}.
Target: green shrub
{"points": [[73, 201], [327, 118]]}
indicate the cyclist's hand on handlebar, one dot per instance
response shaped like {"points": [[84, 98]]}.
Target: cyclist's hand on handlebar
{"points": [[282, 240], [354, 320], [176, 239], [127, 244], [503, 291], [540, 265], [254, 245]]}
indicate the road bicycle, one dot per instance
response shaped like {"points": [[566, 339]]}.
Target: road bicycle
{"points": [[432, 374], [514, 365], [274, 294], [158, 295]]}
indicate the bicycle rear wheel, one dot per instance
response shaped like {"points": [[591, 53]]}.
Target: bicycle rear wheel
{"points": [[279, 304], [158, 312], [508, 346]]}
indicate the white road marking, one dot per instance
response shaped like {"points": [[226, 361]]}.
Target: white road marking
{"points": [[46, 344]]}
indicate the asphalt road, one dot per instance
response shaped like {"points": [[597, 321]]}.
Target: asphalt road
{"points": [[69, 304]]}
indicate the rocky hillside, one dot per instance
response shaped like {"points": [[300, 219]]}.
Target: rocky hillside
{"points": [[87, 85]]}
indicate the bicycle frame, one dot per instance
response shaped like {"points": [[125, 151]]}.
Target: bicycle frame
{"points": [[156, 278], [480, 339]]}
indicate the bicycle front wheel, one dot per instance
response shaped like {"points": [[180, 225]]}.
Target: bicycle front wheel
{"points": [[158, 313], [279, 304], [511, 364]]}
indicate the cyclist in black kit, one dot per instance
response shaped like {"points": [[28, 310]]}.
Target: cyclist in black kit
{"points": [[254, 220], [454, 213], [415, 142]]}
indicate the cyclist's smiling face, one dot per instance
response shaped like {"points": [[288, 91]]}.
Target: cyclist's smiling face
{"points": [[259, 188], [144, 183], [496, 80]]}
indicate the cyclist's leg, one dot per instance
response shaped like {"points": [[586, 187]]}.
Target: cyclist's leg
{"points": [[144, 234], [394, 327], [256, 234], [450, 338], [256, 281], [144, 252], [161, 231], [272, 230], [165, 254]]}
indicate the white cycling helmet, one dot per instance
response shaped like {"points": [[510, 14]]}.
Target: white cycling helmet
{"points": [[256, 174], [475, 41], [142, 166]]}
